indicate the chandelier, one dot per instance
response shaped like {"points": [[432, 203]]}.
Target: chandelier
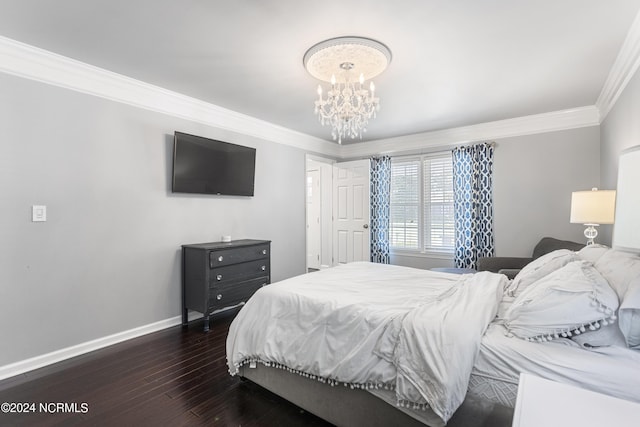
{"points": [[346, 63]]}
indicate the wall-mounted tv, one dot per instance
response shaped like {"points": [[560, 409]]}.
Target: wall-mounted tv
{"points": [[206, 166]]}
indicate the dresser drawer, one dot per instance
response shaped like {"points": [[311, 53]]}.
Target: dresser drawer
{"points": [[244, 271], [231, 294], [235, 255]]}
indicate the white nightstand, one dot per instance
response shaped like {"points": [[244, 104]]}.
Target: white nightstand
{"points": [[544, 403]]}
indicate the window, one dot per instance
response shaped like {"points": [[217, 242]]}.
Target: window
{"points": [[422, 203]]}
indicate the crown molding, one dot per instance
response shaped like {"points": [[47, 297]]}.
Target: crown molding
{"points": [[37, 64], [623, 69], [33, 63], [526, 125]]}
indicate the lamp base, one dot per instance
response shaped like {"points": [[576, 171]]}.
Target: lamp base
{"points": [[591, 233]]}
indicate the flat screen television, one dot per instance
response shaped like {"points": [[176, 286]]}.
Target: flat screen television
{"points": [[206, 166]]}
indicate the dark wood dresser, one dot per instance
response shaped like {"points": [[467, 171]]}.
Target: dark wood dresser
{"points": [[219, 275]]}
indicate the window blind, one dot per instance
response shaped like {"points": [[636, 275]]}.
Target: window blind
{"points": [[405, 204], [422, 203]]}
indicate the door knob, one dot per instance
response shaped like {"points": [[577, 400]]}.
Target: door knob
{"points": [[365, 226]]}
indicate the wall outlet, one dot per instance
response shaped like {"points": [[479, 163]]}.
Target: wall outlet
{"points": [[38, 213]]}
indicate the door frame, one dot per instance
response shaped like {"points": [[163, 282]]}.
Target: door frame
{"points": [[326, 238], [314, 215]]}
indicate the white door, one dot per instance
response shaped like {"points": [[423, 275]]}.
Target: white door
{"points": [[351, 235], [314, 227]]}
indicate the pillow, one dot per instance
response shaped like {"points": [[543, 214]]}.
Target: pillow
{"points": [[593, 252], [629, 315], [606, 336], [539, 268], [619, 268], [566, 302]]}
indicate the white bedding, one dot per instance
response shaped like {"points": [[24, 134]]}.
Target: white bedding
{"points": [[415, 331], [610, 370]]}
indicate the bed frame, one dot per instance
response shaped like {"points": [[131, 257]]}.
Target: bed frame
{"points": [[343, 406]]}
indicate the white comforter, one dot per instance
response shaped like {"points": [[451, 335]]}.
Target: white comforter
{"points": [[372, 325]]}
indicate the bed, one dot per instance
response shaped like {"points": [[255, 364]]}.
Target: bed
{"points": [[371, 344]]}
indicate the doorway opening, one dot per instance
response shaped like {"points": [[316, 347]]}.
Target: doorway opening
{"points": [[337, 212]]}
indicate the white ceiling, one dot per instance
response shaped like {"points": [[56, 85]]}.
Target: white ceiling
{"points": [[455, 63]]}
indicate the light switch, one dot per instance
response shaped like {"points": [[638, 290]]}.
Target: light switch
{"points": [[38, 213]]}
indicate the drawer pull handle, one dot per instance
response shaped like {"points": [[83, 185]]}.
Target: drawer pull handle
{"points": [[264, 252], [220, 258], [263, 268], [219, 277], [219, 297]]}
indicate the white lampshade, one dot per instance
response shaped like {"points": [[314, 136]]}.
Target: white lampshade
{"points": [[593, 207]]}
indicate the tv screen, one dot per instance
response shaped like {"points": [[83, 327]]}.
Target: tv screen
{"points": [[206, 166]]}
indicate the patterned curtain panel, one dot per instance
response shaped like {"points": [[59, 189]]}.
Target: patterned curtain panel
{"points": [[473, 203], [380, 208]]}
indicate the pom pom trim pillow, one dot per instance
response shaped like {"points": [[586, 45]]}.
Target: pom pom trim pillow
{"points": [[592, 252], [620, 269], [607, 336], [629, 314], [567, 302], [539, 268]]}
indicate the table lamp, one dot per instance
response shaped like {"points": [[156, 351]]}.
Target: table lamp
{"points": [[593, 208]]}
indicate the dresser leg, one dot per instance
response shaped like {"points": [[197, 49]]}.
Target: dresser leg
{"points": [[206, 323], [185, 317]]}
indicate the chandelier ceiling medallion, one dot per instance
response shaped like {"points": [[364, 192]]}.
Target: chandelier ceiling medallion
{"points": [[346, 63]]}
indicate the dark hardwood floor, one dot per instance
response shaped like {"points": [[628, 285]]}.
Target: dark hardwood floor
{"points": [[169, 378]]}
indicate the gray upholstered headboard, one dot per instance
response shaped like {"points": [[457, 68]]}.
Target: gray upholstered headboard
{"points": [[626, 229]]}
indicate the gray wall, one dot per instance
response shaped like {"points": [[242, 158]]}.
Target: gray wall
{"points": [[107, 259], [534, 176], [619, 131]]}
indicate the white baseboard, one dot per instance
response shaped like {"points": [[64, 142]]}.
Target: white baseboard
{"points": [[17, 368], [27, 365]]}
